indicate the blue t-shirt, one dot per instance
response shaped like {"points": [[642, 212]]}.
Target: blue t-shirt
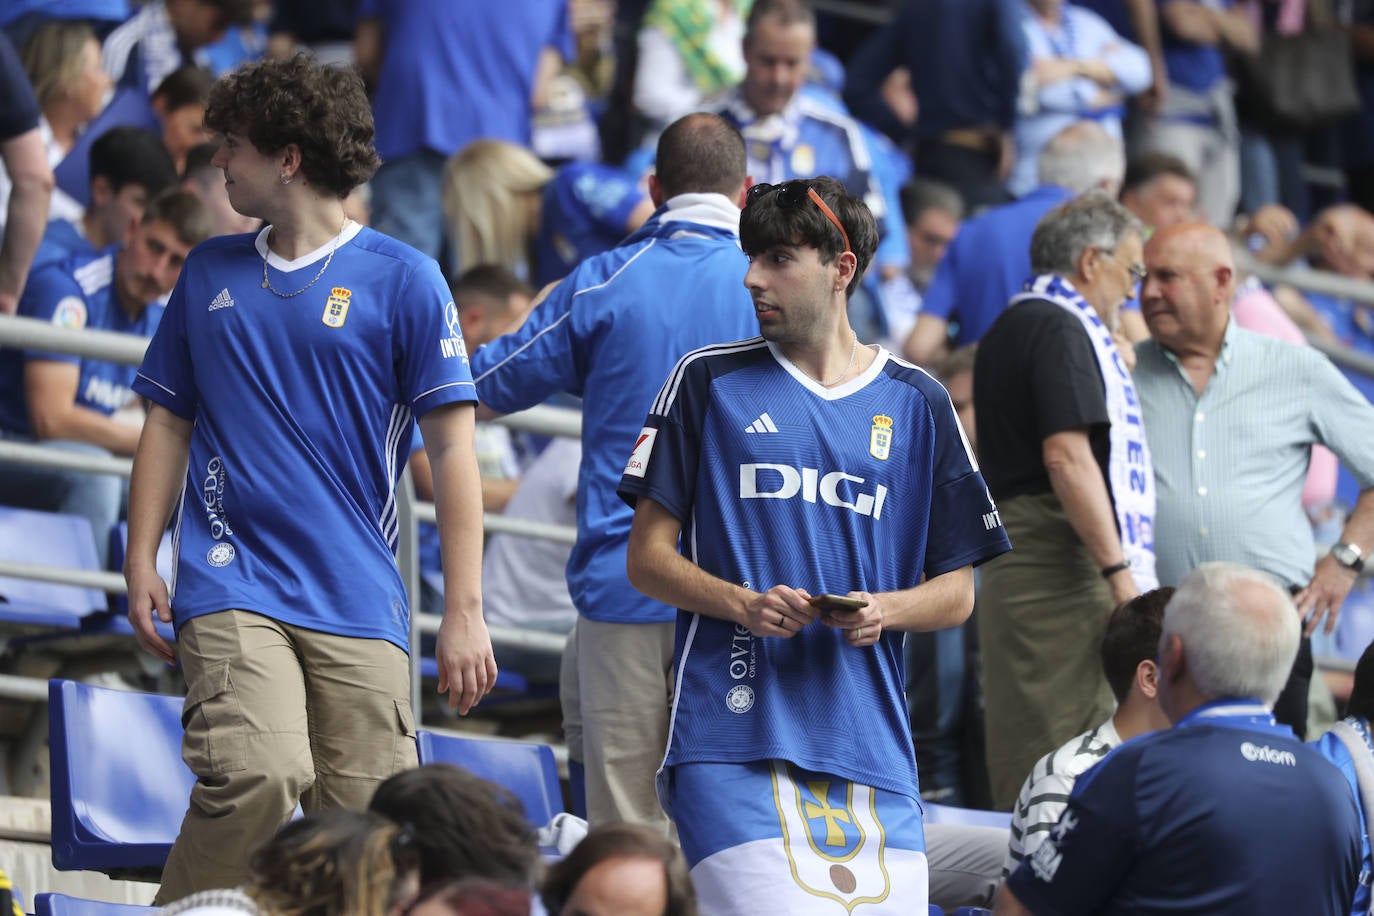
{"points": [[62, 241], [75, 293], [1192, 66], [457, 72], [1334, 749], [1224, 813], [778, 481], [610, 333], [987, 263], [585, 211], [303, 410]]}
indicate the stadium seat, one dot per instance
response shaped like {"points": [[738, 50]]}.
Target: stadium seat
{"points": [[62, 905], [505, 680], [972, 911], [936, 911], [52, 539], [119, 787], [526, 769], [969, 817]]}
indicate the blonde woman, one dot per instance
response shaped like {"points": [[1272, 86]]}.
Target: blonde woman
{"points": [[62, 60], [504, 206]]}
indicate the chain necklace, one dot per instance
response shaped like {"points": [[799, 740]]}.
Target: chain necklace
{"points": [[853, 352], [267, 284]]}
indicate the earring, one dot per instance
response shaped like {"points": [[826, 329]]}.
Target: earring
{"points": [[284, 180]]}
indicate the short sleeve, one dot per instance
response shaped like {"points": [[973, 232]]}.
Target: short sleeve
{"points": [[964, 525], [663, 463], [1066, 381], [431, 357], [166, 376], [1082, 860], [18, 104], [52, 295], [939, 295]]}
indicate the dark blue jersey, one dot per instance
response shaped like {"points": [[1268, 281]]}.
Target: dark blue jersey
{"points": [[777, 480]]}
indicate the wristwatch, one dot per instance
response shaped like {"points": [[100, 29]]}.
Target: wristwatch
{"points": [[1348, 555]]}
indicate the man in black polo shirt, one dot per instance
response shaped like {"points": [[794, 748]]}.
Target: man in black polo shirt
{"points": [[1064, 455]]}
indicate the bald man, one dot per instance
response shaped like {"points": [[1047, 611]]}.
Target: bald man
{"points": [[1231, 418]]}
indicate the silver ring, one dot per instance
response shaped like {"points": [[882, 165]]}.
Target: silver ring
{"points": [[859, 633]]}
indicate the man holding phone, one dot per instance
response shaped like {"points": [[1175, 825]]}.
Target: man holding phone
{"points": [[803, 475]]}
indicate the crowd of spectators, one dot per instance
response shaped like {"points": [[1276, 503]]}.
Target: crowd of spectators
{"points": [[1068, 199]]}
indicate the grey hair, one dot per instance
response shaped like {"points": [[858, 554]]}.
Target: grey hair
{"points": [[1094, 220], [1083, 156], [1235, 644]]}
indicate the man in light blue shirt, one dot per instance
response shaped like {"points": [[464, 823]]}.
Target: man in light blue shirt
{"points": [[1231, 418]]}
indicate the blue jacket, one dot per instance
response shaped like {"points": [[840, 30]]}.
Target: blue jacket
{"points": [[610, 333]]}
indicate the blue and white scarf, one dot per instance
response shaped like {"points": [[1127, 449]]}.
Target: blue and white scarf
{"points": [[1130, 472]]}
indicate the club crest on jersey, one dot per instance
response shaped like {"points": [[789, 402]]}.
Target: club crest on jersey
{"points": [[336, 307], [833, 838], [880, 438]]}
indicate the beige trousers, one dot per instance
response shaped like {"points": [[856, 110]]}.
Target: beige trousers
{"points": [[616, 719], [276, 715]]}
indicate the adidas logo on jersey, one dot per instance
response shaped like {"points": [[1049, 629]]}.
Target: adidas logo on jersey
{"points": [[764, 424], [222, 301]]}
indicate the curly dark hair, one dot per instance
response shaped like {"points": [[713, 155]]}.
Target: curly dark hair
{"points": [[785, 215], [322, 110]]}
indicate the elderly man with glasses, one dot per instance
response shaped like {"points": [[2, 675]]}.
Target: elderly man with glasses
{"points": [[1064, 454]]}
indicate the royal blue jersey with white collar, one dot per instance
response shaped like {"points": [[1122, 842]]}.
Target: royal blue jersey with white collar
{"points": [[303, 408], [74, 293], [868, 486]]}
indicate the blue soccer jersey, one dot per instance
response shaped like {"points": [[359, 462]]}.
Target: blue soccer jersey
{"points": [[75, 293], [1225, 813], [586, 209], [303, 409], [868, 486]]}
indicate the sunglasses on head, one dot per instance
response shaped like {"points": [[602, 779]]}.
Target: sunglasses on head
{"points": [[795, 194]]}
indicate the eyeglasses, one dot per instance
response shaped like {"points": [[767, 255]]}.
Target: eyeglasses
{"points": [[1137, 271], [794, 194]]}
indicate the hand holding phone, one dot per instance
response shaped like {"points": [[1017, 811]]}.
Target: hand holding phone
{"points": [[831, 603]]}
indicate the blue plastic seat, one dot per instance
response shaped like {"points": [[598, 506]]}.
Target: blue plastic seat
{"points": [[52, 539], [528, 770], [505, 680], [972, 911], [119, 787], [62, 905], [969, 817]]}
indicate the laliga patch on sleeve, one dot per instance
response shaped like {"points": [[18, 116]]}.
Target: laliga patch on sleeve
{"points": [[70, 313], [644, 446]]}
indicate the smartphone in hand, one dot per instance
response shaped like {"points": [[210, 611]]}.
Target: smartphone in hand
{"points": [[836, 603]]}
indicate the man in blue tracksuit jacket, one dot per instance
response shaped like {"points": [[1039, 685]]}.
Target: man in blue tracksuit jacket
{"points": [[610, 333]]}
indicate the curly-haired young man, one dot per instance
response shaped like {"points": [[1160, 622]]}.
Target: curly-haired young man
{"points": [[285, 377]]}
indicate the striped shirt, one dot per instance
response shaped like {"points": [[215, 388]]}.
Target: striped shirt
{"points": [[1045, 793], [1230, 465]]}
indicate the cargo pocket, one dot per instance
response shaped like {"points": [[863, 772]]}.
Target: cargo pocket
{"points": [[404, 757], [214, 724]]}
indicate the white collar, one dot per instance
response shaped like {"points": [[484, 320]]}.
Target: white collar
{"points": [[350, 229], [714, 210]]}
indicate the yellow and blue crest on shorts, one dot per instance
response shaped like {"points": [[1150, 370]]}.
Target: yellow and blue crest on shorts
{"points": [[336, 307], [834, 841]]}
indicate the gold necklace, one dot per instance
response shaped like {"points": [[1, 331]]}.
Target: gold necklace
{"points": [[267, 284], [853, 352]]}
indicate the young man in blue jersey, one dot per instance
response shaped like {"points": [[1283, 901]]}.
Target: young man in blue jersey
{"points": [[129, 166], [69, 402], [1225, 812], [1350, 747], [285, 379], [792, 469]]}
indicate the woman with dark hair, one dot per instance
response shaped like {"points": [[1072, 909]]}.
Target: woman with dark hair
{"points": [[179, 106], [621, 870], [285, 378]]}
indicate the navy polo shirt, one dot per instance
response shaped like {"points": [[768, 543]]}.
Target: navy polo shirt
{"points": [[1226, 812]]}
